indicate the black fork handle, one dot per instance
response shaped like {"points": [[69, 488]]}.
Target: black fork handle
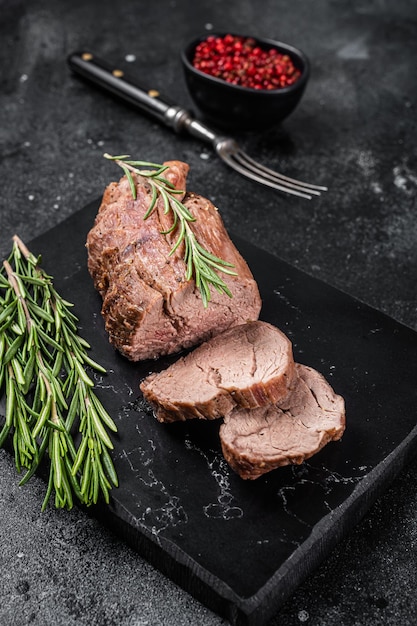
{"points": [[149, 101], [117, 82]]}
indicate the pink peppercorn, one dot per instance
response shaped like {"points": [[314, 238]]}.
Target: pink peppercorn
{"points": [[240, 61]]}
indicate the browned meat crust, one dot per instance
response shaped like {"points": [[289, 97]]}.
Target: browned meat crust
{"points": [[149, 308]]}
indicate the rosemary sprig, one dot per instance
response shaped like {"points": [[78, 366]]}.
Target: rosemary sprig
{"points": [[201, 264], [43, 375]]}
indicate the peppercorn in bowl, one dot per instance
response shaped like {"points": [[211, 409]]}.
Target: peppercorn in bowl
{"points": [[242, 82]]}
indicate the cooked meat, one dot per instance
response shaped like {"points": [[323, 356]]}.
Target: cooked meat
{"points": [[149, 307], [248, 366], [259, 440]]}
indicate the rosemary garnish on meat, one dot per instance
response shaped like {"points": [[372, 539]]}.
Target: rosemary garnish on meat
{"points": [[201, 264], [47, 389]]}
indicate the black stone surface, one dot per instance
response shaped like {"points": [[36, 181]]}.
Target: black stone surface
{"points": [[243, 547], [355, 130]]}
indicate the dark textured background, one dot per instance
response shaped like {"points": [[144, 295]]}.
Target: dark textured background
{"points": [[354, 130]]}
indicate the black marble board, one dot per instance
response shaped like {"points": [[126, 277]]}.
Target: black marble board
{"points": [[242, 547]]}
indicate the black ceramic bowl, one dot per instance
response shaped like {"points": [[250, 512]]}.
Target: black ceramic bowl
{"points": [[232, 106]]}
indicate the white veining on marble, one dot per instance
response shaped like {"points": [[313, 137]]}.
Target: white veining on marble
{"points": [[169, 512], [102, 381], [310, 476], [224, 507]]}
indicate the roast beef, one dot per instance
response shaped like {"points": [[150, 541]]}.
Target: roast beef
{"points": [[246, 366], [259, 440], [149, 308]]}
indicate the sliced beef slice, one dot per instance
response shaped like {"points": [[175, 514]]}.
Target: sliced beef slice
{"points": [[259, 440], [248, 366], [149, 308]]}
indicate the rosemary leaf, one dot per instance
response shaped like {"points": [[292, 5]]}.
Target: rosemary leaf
{"points": [[99, 429], [48, 491], [17, 371], [41, 451], [13, 348], [108, 464], [79, 459], [7, 311], [96, 366], [73, 481], [4, 433], [10, 400], [56, 460], [104, 488], [66, 488], [28, 372], [96, 482], [131, 181], [43, 416], [86, 477], [105, 417]]}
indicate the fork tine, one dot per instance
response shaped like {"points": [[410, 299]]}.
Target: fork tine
{"points": [[252, 172], [245, 158]]}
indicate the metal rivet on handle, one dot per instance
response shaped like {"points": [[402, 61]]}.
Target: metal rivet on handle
{"points": [[117, 73], [87, 56], [153, 93]]}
